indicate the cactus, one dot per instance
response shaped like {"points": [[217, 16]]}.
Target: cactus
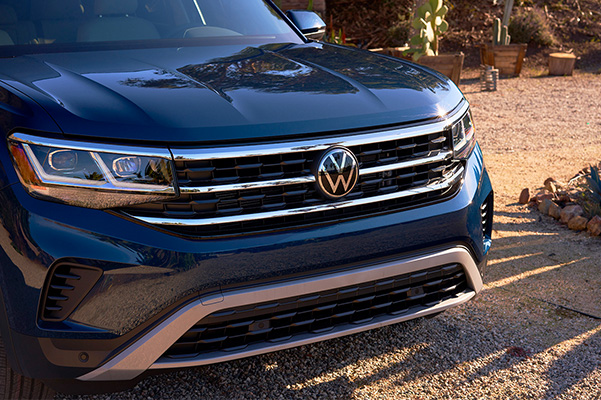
{"points": [[499, 32], [430, 23]]}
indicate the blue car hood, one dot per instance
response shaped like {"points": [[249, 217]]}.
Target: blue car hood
{"points": [[227, 93]]}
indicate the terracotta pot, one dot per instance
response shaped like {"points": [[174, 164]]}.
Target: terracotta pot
{"points": [[508, 59]]}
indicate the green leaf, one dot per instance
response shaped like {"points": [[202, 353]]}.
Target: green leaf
{"points": [[417, 23], [443, 27], [436, 5], [443, 11], [426, 8]]}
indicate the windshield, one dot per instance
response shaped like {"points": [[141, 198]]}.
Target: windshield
{"points": [[29, 26]]}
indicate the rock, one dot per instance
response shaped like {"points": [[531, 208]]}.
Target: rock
{"points": [[578, 223], [544, 206], [563, 196], [551, 185], [570, 212], [542, 196], [594, 226], [554, 211], [524, 196]]}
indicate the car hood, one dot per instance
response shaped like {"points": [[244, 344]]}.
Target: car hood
{"points": [[227, 93]]}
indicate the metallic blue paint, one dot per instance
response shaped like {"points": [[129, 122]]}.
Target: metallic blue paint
{"points": [[147, 270], [219, 93]]}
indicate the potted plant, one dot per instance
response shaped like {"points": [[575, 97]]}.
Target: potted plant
{"points": [[430, 25], [507, 58]]}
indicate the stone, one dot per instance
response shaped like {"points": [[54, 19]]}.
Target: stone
{"points": [[551, 185], [544, 195], [544, 206], [578, 223], [554, 211], [563, 196], [570, 212], [524, 196], [594, 226]]}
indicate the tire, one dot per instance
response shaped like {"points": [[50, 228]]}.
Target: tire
{"points": [[16, 386]]}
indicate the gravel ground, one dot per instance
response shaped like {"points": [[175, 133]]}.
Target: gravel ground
{"points": [[525, 337]]}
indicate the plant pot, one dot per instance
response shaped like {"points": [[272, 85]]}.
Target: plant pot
{"points": [[508, 59], [561, 64], [447, 64]]}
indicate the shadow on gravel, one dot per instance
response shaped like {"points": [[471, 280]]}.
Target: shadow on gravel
{"points": [[456, 353], [538, 257]]}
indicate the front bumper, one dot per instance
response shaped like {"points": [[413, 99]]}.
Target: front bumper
{"points": [[146, 352], [155, 285]]}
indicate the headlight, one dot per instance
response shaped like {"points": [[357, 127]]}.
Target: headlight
{"points": [[91, 175], [464, 138]]}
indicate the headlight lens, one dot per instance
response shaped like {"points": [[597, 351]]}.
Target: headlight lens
{"points": [[464, 138], [90, 175]]}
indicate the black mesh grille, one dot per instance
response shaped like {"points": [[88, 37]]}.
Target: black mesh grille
{"points": [[291, 165], [317, 313]]}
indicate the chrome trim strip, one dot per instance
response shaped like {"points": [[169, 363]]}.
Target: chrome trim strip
{"points": [[216, 153], [311, 178], [295, 211], [245, 186], [92, 147], [146, 352], [442, 156]]}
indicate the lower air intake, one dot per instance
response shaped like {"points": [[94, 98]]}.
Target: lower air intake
{"points": [[66, 288], [317, 313]]}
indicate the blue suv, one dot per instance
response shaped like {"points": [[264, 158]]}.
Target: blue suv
{"points": [[186, 182]]}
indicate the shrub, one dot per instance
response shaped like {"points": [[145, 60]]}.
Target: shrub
{"points": [[594, 184], [590, 196], [530, 25]]}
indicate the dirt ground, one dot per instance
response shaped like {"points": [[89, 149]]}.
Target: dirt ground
{"points": [[534, 129]]}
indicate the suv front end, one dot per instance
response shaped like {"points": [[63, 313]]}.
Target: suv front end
{"points": [[135, 242]]}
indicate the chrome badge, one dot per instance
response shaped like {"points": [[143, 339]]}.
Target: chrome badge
{"points": [[337, 172]]}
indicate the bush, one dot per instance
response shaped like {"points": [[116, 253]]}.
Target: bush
{"points": [[372, 23], [530, 25]]}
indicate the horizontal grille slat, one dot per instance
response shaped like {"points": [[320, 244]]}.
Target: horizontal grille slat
{"points": [[263, 187], [237, 328]]}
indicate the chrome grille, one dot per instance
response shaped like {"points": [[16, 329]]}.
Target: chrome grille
{"points": [[227, 190]]}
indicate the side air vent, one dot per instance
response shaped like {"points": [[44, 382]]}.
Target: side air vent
{"points": [[66, 288], [486, 211]]}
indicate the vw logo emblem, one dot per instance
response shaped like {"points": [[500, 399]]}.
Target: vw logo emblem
{"points": [[337, 172]]}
